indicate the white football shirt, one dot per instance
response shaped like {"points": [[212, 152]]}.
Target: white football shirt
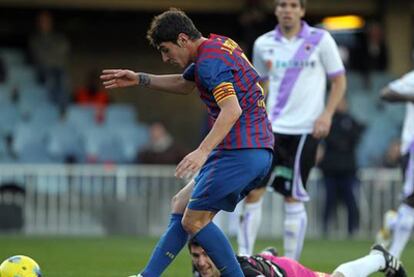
{"points": [[297, 71], [405, 86]]}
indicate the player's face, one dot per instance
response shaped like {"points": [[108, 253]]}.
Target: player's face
{"points": [[289, 13], [203, 262], [174, 54]]}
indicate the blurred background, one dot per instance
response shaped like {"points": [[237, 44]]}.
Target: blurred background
{"points": [[78, 160]]}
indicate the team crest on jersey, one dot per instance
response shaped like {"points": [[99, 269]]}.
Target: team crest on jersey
{"points": [[308, 47], [269, 64]]}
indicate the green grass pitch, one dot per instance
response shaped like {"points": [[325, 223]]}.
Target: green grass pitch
{"points": [[123, 256]]}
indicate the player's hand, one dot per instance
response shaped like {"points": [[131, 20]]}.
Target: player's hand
{"points": [[191, 164], [118, 78], [322, 126]]}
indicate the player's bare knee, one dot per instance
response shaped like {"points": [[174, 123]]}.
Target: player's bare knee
{"points": [[178, 204], [191, 226], [255, 195], [289, 199]]}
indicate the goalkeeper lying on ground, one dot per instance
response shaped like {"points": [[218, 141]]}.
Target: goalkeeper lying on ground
{"points": [[268, 264]]}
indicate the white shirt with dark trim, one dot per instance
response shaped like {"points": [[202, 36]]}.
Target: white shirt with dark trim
{"points": [[405, 86], [273, 55]]}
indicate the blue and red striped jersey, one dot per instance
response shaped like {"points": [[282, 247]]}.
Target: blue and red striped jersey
{"points": [[222, 70]]}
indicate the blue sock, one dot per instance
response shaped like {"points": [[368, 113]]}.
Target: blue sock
{"points": [[169, 245], [218, 248]]}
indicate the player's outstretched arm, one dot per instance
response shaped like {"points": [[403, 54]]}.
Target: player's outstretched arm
{"points": [[389, 95], [119, 78]]}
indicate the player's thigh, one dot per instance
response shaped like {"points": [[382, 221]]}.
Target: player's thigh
{"points": [[294, 158], [180, 200], [408, 169], [255, 195], [227, 177]]}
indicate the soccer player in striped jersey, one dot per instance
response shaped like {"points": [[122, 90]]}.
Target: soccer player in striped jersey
{"points": [[294, 61], [234, 156]]}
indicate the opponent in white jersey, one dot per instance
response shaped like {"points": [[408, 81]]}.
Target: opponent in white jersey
{"points": [[295, 62], [400, 225]]}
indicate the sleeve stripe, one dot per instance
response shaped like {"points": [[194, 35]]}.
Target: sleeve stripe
{"points": [[221, 95], [223, 90], [224, 84], [225, 97]]}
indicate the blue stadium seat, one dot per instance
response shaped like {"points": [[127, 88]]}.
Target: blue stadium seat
{"points": [[12, 56], [363, 106], [9, 116], [5, 155], [44, 114], [120, 114], [82, 117], [354, 81], [65, 142], [133, 137], [31, 97], [5, 93], [101, 145], [30, 143], [379, 80], [375, 140], [21, 75]]}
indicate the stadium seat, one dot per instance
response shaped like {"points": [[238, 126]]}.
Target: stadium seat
{"points": [[31, 97], [101, 145], [363, 106], [5, 93], [375, 140], [82, 117], [9, 116], [4, 155], [380, 80], [44, 114], [355, 81], [12, 56], [65, 143], [120, 114], [21, 74], [132, 137], [30, 143]]}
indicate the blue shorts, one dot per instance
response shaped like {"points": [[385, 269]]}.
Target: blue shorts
{"points": [[227, 177]]}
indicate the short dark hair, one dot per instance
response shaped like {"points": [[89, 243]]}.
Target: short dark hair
{"points": [[168, 25], [192, 242], [301, 2]]}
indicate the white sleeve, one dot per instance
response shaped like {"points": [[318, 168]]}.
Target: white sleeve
{"points": [[330, 57], [258, 61], [404, 85]]}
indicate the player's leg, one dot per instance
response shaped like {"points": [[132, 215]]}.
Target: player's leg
{"points": [[227, 176], [403, 227], [295, 157], [174, 238], [404, 223], [199, 224], [251, 216], [378, 259], [249, 221]]}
